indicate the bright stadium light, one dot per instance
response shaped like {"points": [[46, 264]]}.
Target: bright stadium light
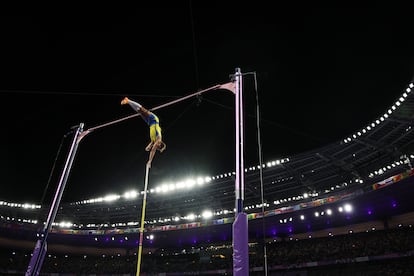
{"points": [[190, 217], [109, 198], [130, 194], [207, 214], [164, 188], [65, 224], [200, 181], [348, 208], [189, 183]]}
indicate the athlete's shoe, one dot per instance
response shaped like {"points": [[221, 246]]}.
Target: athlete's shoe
{"points": [[125, 101]]}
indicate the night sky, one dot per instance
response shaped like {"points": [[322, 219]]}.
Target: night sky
{"points": [[322, 73]]}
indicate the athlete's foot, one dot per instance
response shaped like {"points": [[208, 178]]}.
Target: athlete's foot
{"points": [[125, 101]]}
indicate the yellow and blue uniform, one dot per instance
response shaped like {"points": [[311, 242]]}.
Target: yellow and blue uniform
{"points": [[154, 125]]}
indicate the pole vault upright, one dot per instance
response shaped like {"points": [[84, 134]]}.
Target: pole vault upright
{"points": [[40, 249], [240, 225]]}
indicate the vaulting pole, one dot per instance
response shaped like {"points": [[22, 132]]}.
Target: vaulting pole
{"points": [[142, 226], [40, 249], [240, 225]]}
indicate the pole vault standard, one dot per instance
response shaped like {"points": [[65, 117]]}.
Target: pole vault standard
{"points": [[240, 224], [40, 249]]}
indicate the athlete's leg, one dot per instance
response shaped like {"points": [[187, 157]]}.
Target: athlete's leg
{"points": [[153, 137], [135, 106], [151, 155]]}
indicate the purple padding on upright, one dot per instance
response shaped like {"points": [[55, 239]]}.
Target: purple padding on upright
{"points": [[240, 246]]}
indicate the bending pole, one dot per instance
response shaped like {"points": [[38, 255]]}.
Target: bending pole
{"points": [[40, 249], [141, 229]]}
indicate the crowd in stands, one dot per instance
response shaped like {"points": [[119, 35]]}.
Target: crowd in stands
{"points": [[380, 252]]}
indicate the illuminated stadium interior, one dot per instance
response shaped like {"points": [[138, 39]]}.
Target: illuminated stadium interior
{"points": [[344, 173]]}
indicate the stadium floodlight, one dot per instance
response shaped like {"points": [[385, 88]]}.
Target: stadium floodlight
{"points": [[65, 224], [130, 194], [164, 188], [348, 208], [200, 181], [190, 217], [189, 183], [302, 217], [110, 198], [329, 212], [207, 214]]}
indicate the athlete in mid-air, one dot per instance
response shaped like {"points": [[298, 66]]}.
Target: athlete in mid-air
{"points": [[153, 122]]}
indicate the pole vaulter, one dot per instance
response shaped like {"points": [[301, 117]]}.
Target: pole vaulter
{"points": [[40, 249]]}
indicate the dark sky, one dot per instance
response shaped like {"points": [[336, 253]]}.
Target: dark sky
{"points": [[322, 73]]}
